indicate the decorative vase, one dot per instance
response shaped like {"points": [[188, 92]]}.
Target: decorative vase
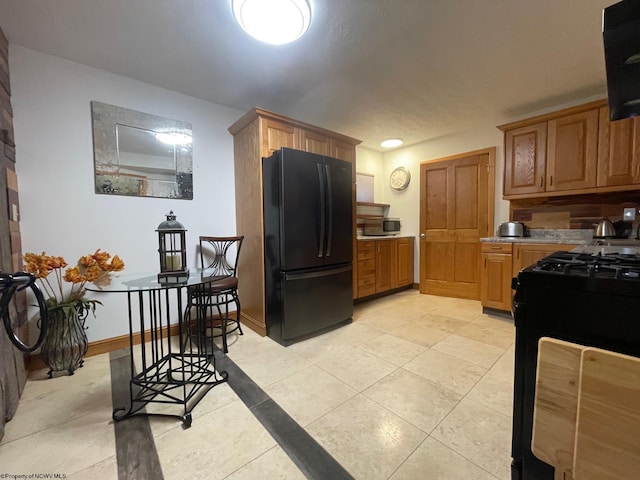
{"points": [[66, 343]]}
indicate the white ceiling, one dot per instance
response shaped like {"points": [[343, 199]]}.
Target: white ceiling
{"points": [[371, 69]]}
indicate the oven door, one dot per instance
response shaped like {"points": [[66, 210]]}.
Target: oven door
{"points": [[596, 312]]}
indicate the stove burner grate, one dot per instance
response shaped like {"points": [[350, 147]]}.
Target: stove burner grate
{"points": [[616, 265]]}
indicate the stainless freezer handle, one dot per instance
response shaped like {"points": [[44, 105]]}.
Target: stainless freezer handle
{"points": [[327, 170], [321, 273], [322, 211]]}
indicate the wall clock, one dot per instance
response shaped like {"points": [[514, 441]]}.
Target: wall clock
{"points": [[400, 178]]}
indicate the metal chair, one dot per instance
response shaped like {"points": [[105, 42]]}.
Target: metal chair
{"points": [[219, 256]]}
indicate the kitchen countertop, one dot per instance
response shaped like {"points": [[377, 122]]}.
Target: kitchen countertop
{"points": [[381, 237], [568, 241], [566, 236]]}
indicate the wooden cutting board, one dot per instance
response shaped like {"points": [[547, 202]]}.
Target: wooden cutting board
{"points": [[607, 444], [556, 403]]}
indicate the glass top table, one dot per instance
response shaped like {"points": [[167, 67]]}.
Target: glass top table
{"points": [[169, 364], [133, 282]]}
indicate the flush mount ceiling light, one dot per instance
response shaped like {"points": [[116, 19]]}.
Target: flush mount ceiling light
{"points": [[273, 21], [391, 143]]}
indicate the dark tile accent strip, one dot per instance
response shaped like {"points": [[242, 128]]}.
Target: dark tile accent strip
{"points": [[308, 455], [136, 452]]}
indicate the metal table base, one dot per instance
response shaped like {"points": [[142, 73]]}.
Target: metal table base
{"points": [[168, 369]]}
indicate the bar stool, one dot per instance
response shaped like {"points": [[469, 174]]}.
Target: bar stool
{"points": [[219, 256]]}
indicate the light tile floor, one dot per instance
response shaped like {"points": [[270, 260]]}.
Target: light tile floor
{"points": [[416, 387]]}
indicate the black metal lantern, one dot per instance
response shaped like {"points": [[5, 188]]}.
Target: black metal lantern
{"points": [[172, 250]]}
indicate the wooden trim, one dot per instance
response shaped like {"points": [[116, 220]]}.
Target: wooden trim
{"points": [[582, 191], [253, 324], [116, 343], [384, 293], [105, 346], [256, 112], [553, 115], [491, 151]]}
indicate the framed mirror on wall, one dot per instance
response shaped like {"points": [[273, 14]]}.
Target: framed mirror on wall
{"points": [[140, 154]]}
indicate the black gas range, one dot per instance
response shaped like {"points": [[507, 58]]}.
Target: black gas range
{"points": [[582, 297]]}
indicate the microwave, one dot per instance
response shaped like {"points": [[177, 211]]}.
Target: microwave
{"points": [[383, 226]]}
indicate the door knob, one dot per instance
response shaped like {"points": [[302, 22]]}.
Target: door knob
{"points": [[422, 235]]}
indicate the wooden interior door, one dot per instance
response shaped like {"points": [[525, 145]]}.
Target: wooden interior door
{"points": [[456, 210]]}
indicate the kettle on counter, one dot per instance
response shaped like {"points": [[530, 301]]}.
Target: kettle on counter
{"points": [[605, 229]]}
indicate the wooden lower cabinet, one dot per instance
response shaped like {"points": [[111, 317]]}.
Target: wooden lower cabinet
{"points": [[366, 268], [384, 265], [496, 275], [501, 262], [404, 263]]}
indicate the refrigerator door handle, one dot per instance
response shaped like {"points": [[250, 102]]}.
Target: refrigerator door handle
{"points": [[321, 273], [322, 211], [327, 170]]}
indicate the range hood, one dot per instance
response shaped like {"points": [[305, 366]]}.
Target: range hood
{"points": [[621, 33]]}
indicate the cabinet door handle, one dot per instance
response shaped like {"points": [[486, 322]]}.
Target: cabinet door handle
{"points": [[541, 181], [550, 180], [485, 263], [496, 248]]}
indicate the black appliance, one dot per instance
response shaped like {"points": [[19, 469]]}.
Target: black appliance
{"points": [[10, 285], [308, 240], [582, 298], [621, 35]]}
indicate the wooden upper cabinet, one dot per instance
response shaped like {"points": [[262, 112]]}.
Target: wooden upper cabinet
{"points": [[572, 151], [342, 151], [577, 150], [277, 134], [619, 151], [525, 159], [315, 142]]}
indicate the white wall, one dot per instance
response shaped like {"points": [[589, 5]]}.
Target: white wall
{"points": [[59, 211]]}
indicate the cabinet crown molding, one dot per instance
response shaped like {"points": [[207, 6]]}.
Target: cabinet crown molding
{"points": [[257, 112], [553, 115]]}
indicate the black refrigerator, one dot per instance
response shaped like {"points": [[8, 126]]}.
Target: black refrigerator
{"points": [[308, 244]]}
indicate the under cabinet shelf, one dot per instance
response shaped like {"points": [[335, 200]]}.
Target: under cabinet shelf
{"points": [[370, 204]]}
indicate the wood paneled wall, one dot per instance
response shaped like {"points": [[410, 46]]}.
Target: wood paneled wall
{"points": [[578, 211], [12, 368]]}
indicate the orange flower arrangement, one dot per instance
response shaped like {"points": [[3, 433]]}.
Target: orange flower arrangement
{"points": [[93, 268]]}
